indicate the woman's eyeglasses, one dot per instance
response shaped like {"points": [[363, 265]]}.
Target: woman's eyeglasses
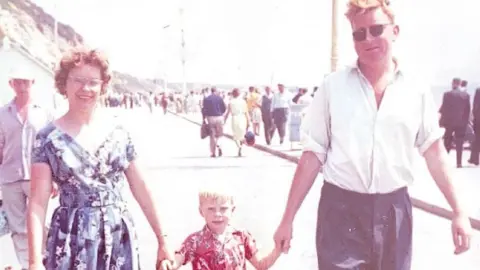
{"points": [[375, 30], [91, 83]]}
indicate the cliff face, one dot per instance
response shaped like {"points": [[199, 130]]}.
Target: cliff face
{"points": [[31, 28]]}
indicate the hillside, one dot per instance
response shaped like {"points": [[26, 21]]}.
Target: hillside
{"points": [[29, 27]]}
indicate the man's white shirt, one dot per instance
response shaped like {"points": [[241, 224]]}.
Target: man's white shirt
{"points": [[361, 148]]}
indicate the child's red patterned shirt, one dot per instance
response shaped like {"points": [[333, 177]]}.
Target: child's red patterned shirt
{"points": [[206, 252]]}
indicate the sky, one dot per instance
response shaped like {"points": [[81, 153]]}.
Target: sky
{"points": [[259, 42]]}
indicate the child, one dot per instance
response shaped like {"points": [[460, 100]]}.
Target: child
{"points": [[218, 245]]}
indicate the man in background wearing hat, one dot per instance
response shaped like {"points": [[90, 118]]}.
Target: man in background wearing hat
{"points": [[20, 120]]}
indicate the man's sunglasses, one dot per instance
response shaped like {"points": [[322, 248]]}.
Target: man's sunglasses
{"points": [[375, 30]]}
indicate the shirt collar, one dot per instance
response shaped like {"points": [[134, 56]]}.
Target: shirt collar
{"points": [[209, 234], [13, 108], [400, 68]]}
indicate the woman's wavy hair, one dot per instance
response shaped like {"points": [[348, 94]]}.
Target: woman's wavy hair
{"points": [[82, 56]]}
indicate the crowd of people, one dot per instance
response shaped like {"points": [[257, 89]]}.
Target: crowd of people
{"points": [[251, 110]]}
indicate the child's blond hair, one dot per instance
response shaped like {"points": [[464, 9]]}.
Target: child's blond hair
{"points": [[216, 191], [356, 7]]}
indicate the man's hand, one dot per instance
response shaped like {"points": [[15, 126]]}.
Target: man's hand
{"points": [[283, 236], [461, 233]]}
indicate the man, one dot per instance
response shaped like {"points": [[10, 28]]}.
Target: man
{"points": [[20, 120], [266, 108], [192, 103], [299, 94], [455, 115], [463, 85], [305, 99], [365, 143], [280, 104], [474, 154], [212, 111]]}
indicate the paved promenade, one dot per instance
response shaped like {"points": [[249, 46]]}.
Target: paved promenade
{"points": [[177, 164]]}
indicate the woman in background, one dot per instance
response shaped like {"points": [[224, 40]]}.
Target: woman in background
{"points": [[240, 120]]}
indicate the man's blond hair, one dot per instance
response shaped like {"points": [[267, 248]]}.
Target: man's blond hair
{"points": [[356, 7]]}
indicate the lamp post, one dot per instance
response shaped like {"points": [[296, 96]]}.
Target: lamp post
{"points": [[182, 29], [183, 52], [164, 74], [334, 48]]}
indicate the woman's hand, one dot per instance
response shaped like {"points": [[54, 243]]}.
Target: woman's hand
{"points": [[36, 266], [165, 265], [163, 256]]}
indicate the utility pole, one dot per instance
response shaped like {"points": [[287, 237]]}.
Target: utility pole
{"points": [[334, 49], [183, 52], [165, 83], [163, 64]]}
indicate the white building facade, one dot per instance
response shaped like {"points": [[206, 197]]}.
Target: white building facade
{"points": [[43, 92]]}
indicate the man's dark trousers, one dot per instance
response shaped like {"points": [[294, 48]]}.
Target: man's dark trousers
{"points": [[358, 231]]}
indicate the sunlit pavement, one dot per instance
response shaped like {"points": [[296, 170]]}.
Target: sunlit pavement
{"points": [[177, 164]]}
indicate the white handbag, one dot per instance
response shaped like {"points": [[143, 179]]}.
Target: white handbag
{"points": [[4, 229]]}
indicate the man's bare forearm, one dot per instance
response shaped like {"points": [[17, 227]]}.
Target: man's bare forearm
{"points": [[307, 170], [442, 172]]}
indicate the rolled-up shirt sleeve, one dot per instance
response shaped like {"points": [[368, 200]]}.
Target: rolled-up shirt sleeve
{"points": [[315, 129], [429, 130]]}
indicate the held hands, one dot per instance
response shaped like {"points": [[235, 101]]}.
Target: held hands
{"points": [[164, 257], [461, 233], [283, 236], [166, 265]]}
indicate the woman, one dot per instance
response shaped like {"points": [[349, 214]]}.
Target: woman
{"points": [[240, 121], [254, 102], [89, 156], [297, 111]]}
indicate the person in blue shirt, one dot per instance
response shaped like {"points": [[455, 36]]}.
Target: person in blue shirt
{"points": [[213, 110]]}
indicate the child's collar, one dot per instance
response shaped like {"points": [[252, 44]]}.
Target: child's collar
{"points": [[226, 234]]}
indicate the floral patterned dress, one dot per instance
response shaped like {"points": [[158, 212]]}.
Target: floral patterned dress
{"points": [[92, 228]]}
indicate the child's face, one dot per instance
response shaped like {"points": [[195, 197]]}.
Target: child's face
{"points": [[217, 214]]}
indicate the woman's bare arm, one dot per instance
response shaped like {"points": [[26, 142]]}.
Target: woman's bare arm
{"points": [[40, 192], [227, 113], [144, 197]]}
